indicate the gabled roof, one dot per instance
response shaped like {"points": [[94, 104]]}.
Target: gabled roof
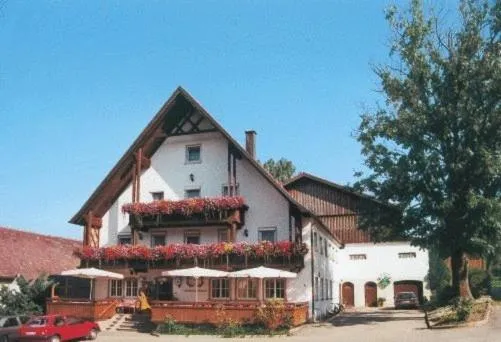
{"points": [[307, 176], [150, 139], [31, 254]]}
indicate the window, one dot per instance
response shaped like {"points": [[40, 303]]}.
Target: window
{"points": [[321, 246], [193, 154], [247, 288], [315, 294], [358, 256], [236, 190], [158, 195], [124, 240], [192, 236], [408, 255], [274, 288], [222, 235], [191, 193], [322, 289], [115, 288], [11, 322], [130, 287], [267, 234], [325, 248], [158, 240], [315, 244], [331, 287], [220, 288]]}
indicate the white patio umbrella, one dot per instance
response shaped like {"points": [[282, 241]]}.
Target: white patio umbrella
{"points": [[92, 273], [261, 273], [196, 272]]}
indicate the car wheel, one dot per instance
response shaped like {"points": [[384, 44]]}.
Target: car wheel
{"points": [[92, 334], [55, 339]]}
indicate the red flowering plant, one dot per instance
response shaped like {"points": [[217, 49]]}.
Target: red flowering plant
{"points": [[190, 251], [185, 207]]}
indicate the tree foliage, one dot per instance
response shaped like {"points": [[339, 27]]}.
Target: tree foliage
{"points": [[281, 170], [29, 299], [434, 148]]}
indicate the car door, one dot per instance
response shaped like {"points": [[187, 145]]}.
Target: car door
{"points": [[11, 328], [62, 329], [76, 327]]}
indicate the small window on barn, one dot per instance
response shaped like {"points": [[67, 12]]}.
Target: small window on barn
{"points": [[157, 195], [407, 255], [193, 154], [358, 256]]}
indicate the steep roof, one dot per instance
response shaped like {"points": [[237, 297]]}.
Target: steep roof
{"points": [[150, 139], [31, 254]]}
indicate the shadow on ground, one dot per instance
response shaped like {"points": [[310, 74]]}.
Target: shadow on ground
{"points": [[368, 318]]}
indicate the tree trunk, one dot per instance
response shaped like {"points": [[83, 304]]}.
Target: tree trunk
{"points": [[459, 268]]}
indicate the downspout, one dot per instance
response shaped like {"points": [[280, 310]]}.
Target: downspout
{"points": [[312, 275]]}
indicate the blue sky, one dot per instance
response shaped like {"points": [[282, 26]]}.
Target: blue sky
{"points": [[80, 79]]}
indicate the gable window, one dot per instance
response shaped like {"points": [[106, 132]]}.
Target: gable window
{"points": [[192, 193], [124, 239], [130, 287], [222, 235], [220, 288], [192, 237], [267, 234], [247, 288], [274, 288], [193, 154], [157, 195], [115, 288], [235, 188], [408, 255], [358, 256], [157, 240]]}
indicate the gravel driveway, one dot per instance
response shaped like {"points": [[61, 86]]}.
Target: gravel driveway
{"points": [[381, 325]]}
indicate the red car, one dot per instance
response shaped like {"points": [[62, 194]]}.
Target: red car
{"points": [[55, 328]]}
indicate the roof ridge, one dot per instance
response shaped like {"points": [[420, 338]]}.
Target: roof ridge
{"points": [[22, 230]]}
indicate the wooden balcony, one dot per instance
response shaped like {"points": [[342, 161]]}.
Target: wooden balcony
{"points": [[205, 312]]}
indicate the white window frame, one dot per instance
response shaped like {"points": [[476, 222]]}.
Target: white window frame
{"points": [[192, 233], [225, 186], [219, 289], [156, 193], [250, 290], [199, 189], [131, 287], [187, 160], [113, 284], [276, 281], [124, 236], [153, 235], [267, 229]]}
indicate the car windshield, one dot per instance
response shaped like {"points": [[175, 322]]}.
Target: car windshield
{"points": [[406, 295], [36, 322]]}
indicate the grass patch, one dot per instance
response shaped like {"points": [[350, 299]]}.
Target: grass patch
{"points": [[208, 329]]}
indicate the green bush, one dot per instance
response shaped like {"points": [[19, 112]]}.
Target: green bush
{"points": [[479, 282], [463, 308]]}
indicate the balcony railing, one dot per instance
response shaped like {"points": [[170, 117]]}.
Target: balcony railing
{"points": [[230, 256], [193, 211]]}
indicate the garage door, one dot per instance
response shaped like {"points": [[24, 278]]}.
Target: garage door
{"points": [[409, 286]]}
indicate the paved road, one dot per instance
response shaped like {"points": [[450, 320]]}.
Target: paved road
{"points": [[377, 326]]}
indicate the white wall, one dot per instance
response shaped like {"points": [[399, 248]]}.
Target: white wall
{"points": [[381, 258], [169, 173]]}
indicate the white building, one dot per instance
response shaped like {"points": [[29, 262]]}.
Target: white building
{"points": [[184, 153], [361, 262]]}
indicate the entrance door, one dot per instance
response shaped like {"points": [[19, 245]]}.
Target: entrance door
{"points": [[164, 289], [370, 294], [348, 294]]}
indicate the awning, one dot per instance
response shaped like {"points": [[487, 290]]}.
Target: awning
{"points": [[196, 272], [262, 272]]}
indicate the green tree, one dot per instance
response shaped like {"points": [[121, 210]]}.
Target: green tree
{"points": [[29, 299], [439, 275], [281, 170], [434, 148]]}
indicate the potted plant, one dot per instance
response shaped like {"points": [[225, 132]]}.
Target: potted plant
{"points": [[380, 301]]}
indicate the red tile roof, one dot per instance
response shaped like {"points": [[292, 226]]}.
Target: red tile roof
{"points": [[31, 254]]}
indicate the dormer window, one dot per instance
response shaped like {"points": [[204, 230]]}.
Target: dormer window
{"points": [[193, 154], [158, 195]]}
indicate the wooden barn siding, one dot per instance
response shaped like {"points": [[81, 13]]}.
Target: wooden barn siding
{"points": [[336, 209], [323, 200]]}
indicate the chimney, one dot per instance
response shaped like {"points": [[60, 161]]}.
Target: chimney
{"points": [[250, 143]]}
